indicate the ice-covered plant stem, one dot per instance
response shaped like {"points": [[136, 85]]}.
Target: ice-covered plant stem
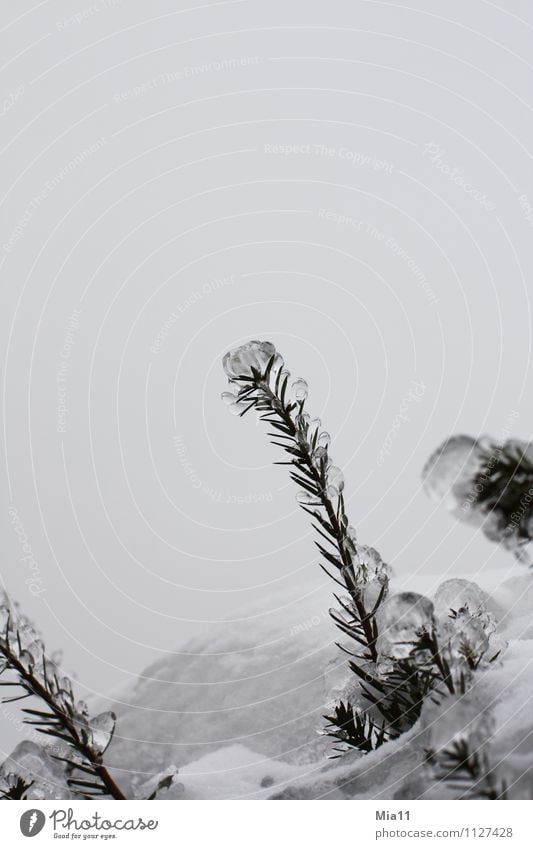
{"points": [[23, 654], [257, 369]]}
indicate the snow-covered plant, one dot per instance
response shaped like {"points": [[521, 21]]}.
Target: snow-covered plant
{"points": [[466, 772], [401, 651], [460, 730], [487, 483]]}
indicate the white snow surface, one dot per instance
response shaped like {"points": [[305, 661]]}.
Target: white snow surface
{"points": [[239, 709]]}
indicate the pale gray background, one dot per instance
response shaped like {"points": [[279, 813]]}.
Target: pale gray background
{"points": [[134, 552]]}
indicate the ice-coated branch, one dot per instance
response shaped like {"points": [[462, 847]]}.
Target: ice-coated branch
{"points": [[489, 484], [23, 654], [262, 382]]}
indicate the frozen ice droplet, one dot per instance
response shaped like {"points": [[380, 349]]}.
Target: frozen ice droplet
{"points": [[450, 471], [304, 497], [82, 709], [253, 356], [324, 439], [320, 458], [27, 659], [233, 404], [102, 728], [314, 426], [26, 635], [457, 593], [229, 398], [350, 541], [468, 640], [239, 407], [300, 389], [36, 649], [401, 621], [372, 573], [336, 478], [278, 363]]}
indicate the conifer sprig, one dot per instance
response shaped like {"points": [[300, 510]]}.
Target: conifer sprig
{"points": [[504, 487], [354, 729], [395, 674], [23, 654], [257, 370], [262, 382]]}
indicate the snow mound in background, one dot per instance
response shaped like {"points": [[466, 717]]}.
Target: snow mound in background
{"points": [[257, 685], [239, 708]]}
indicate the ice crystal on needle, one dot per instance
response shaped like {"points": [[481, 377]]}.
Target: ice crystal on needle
{"points": [[402, 619], [244, 360]]}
